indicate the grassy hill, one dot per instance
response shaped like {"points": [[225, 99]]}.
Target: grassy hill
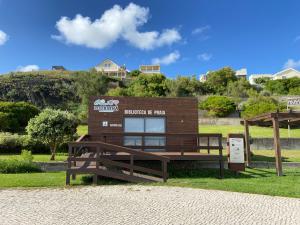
{"points": [[55, 89], [42, 88]]}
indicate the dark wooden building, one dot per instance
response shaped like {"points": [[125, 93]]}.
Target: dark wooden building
{"points": [[123, 131], [150, 124]]}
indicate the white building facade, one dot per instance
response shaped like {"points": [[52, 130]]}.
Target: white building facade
{"points": [[112, 69], [284, 74]]}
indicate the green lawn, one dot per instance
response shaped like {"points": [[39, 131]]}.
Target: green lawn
{"points": [[257, 132], [38, 157], [82, 129], [269, 155], [259, 181]]}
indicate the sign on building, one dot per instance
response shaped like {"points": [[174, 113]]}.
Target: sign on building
{"points": [[293, 102]]}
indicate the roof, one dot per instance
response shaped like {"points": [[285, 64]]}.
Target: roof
{"points": [[107, 59], [266, 118], [286, 70]]}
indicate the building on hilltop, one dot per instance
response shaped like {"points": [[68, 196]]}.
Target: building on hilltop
{"points": [[241, 73], [253, 77], [149, 68], [287, 73], [203, 77], [284, 74], [112, 69], [58, 68]]}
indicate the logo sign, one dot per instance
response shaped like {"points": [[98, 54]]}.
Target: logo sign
{"points": [[101, 105], [293, 101]]}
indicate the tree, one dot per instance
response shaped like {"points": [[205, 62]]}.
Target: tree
{"points": [[134, 73], [262, 80], [91, 83], [148, 85], [219, 79], [118, 91], [258, 104], [282, 87], [15, 115], [53, 127], [238, 88], [219, 106], [186, 86]]}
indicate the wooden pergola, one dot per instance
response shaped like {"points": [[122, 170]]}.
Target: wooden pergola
{"points": [[273, 119]]}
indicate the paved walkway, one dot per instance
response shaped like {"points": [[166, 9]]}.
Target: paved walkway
{"points": [[143, 205]]}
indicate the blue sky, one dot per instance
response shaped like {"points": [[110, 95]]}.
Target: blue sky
{"points": [[186, 37]]}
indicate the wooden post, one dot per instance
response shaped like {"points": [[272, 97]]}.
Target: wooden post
{"points": [[131, 165], [69, 166], [208, 145], [95, 179], [165, 170], [277, 146], [221, 163], [68, 178], [247, 140]]}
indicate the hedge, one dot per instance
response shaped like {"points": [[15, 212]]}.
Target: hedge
{"points": [[14, 143], [219, 106], [25, 165], [14, 116]]}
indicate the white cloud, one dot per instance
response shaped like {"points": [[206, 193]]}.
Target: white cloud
{"points": [[114, 23], [200, 30], [291, 63], [28, 68], [3, 37], [297, 38], [168, 59], [204, 56]]}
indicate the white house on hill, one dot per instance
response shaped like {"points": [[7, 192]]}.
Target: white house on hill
{"points": [[284, 74], [112, 69], [287, 73]]}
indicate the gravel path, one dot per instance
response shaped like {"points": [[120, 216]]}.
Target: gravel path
{"points": [[143, 205]]}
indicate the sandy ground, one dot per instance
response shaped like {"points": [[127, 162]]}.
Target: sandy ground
{"points": [[143, 205]]}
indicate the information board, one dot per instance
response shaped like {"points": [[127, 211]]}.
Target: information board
{"points": [[236, 146]]}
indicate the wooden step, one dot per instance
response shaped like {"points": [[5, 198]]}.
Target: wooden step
{"points": [[115, 174]]}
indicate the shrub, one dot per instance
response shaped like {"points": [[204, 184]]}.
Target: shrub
{"points": [[25, 165], [219, 106], [257, 105], [53, 128], [14, 143], [16, 115]]}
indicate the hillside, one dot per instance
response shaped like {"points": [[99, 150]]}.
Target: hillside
{"points": [[42, 88]]}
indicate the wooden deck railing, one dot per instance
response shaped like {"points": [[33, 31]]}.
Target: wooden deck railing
{"points": [[175, 142], [99, 156]]}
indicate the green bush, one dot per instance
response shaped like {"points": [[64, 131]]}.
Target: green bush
{"points": [[284, 86], [16, 115], [219, 106], [24, 165], [257, 105], [53, 128], [14, 143]]}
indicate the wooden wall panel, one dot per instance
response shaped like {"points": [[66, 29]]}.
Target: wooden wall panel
{"points": [[181, 115]]}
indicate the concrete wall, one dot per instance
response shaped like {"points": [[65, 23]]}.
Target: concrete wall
{"points": [[267, 143]]}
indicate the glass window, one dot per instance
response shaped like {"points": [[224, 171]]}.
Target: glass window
{"points": [[133, 141], [155, 141], [134, 125], [155, 125]]}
